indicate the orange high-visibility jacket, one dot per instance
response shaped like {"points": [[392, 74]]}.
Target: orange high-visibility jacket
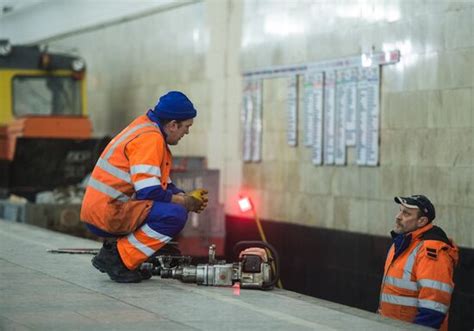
{"points": [[420, 277], [137, 158]]}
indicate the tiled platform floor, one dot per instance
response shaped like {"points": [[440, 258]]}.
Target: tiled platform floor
{"points": [[44, 291]]}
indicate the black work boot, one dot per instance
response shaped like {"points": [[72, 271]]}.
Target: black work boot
{"points": [[145, 274], [99, 261], [108, 260]]}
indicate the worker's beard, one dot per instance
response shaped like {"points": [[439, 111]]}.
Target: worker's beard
{"points": [[398, 229]]}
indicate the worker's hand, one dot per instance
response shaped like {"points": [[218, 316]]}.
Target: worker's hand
{"points": [[201, 195], [191, 203], [261, 252]]}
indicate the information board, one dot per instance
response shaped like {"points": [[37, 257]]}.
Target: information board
{"points": [[308, 115], [339, 120], [329, 116], [318, 96], [292, 112], [368, 94], [351, 77], [252, 120]]}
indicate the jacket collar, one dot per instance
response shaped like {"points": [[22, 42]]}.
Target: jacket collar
{"points": [[419, 232], [414, 234], [403, 240], [151, 115]]}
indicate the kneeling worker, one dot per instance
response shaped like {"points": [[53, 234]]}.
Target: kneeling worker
{"points": [[418, 276], [130, 195]]}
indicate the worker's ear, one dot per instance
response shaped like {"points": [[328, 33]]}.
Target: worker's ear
{"points": [[422, 221], [172, 125]]}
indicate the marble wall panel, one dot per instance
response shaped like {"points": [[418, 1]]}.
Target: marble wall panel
{"points": [[427, 101]]}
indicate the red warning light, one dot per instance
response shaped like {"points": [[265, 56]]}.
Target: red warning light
{"points": [[245, 204], [236, 288]]}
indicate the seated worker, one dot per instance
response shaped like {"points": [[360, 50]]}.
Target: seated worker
{"points": [[418, 276], [130, 194]]}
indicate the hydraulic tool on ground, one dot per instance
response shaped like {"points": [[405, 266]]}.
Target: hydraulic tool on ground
{"points": [[252, 270]]}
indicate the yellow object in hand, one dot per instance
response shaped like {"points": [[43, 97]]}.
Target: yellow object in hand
{"points": [[199, 194]]}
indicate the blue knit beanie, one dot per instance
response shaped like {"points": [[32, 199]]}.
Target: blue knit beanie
{"points": [[174, 105]]}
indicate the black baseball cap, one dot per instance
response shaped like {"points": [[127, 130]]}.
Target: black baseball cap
{"points": [[418, 201]]}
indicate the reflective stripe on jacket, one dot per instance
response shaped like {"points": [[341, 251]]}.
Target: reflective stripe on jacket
{"points": [[137, 158], [421, 277]]}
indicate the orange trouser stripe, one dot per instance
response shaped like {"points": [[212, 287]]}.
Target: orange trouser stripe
{"points": [[138, 246]]}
